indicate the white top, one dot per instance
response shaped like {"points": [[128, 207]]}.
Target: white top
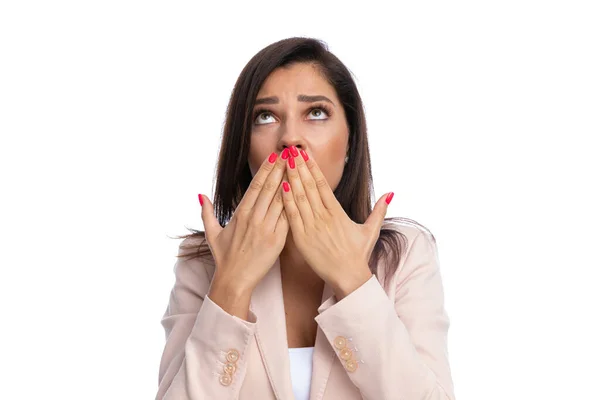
{"points": [[301, 370]]}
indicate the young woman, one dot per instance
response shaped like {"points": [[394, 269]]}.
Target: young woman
{"points": [[298, 288]]}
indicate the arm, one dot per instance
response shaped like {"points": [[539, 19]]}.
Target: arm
{"points": [[402, 341], [202, 339]]}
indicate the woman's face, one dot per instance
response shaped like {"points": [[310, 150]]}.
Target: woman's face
{"points": [[297, 107]]}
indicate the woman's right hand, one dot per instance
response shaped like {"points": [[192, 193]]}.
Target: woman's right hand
{"points": [[248, 246]]}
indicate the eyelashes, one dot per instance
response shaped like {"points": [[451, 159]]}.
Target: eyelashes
{"points": [[260, 111], [321, 107]]}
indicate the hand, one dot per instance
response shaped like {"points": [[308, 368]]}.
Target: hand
{"points": [[336, 248], [250, 243]]}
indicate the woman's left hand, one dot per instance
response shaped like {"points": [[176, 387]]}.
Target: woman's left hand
{"points": [[335, 247]]}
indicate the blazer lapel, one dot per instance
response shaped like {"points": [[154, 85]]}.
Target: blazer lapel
{"points": [[271, 336], [324, 355]]}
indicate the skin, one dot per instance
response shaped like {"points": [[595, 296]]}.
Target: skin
{"points": [[291, 122]]}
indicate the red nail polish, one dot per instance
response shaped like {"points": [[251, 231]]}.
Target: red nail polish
{"points": [[201, 201], [286, 187], [294, 151], [272, 157], [304, 155], [389, 197], [292, 162], [285, 154]]}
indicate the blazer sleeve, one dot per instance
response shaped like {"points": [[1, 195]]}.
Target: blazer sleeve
{"points": [[205, 352], [395, 349]]}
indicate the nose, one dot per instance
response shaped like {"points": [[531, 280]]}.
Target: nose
{"points": [[291, 136], [297, 146]]}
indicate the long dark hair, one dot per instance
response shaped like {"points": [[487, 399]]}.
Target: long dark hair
{"points": [[355, 189]]}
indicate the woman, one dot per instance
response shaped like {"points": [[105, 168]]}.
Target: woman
{"points": [[299, 288]]}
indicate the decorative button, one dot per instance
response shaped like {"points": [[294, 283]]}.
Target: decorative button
{"points": [[351, 365], [225, 380], [340, 342], [345, 354], [233, 355], [229, 368]]}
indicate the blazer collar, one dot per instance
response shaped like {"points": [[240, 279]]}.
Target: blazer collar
{"points": [[271, 336]]}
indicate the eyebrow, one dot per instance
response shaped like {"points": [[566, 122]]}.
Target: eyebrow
{"points": [[302, 97]]}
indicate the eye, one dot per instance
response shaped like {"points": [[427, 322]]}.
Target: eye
{"points": [[319, 112], [262, 117]]}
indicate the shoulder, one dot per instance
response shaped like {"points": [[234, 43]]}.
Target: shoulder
{"points": [[405, 244], [409, 228], [195, 262]]}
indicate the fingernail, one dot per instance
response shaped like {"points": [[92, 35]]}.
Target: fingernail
{"points": [[294, 151], [201, 201], [292, 162], [389, 198], [286, 187], [304, 155], [272, 157], [285, 154]]}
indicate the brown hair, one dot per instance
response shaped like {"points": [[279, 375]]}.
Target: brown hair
{"points": [[355, 188]]}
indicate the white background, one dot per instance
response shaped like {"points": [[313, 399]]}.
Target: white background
{"points": [[483, 118]]}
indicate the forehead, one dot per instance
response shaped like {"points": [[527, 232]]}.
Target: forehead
{"points": [[296, 79]]}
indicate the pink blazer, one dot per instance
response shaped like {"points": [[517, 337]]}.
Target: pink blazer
{"points": [[376, 343]]}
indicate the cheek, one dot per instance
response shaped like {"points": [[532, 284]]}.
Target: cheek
{"points": [[254, 161], [333, 164], [337, 152], [261, 147], [332, 167]]}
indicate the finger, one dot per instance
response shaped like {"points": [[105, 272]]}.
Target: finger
{"points": [[326, 195], [297, 189], [275, 210], [308, 183], [268, 191], [212, 228], [377, 216], [257, 184], [282, 227], [291, 210]]}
